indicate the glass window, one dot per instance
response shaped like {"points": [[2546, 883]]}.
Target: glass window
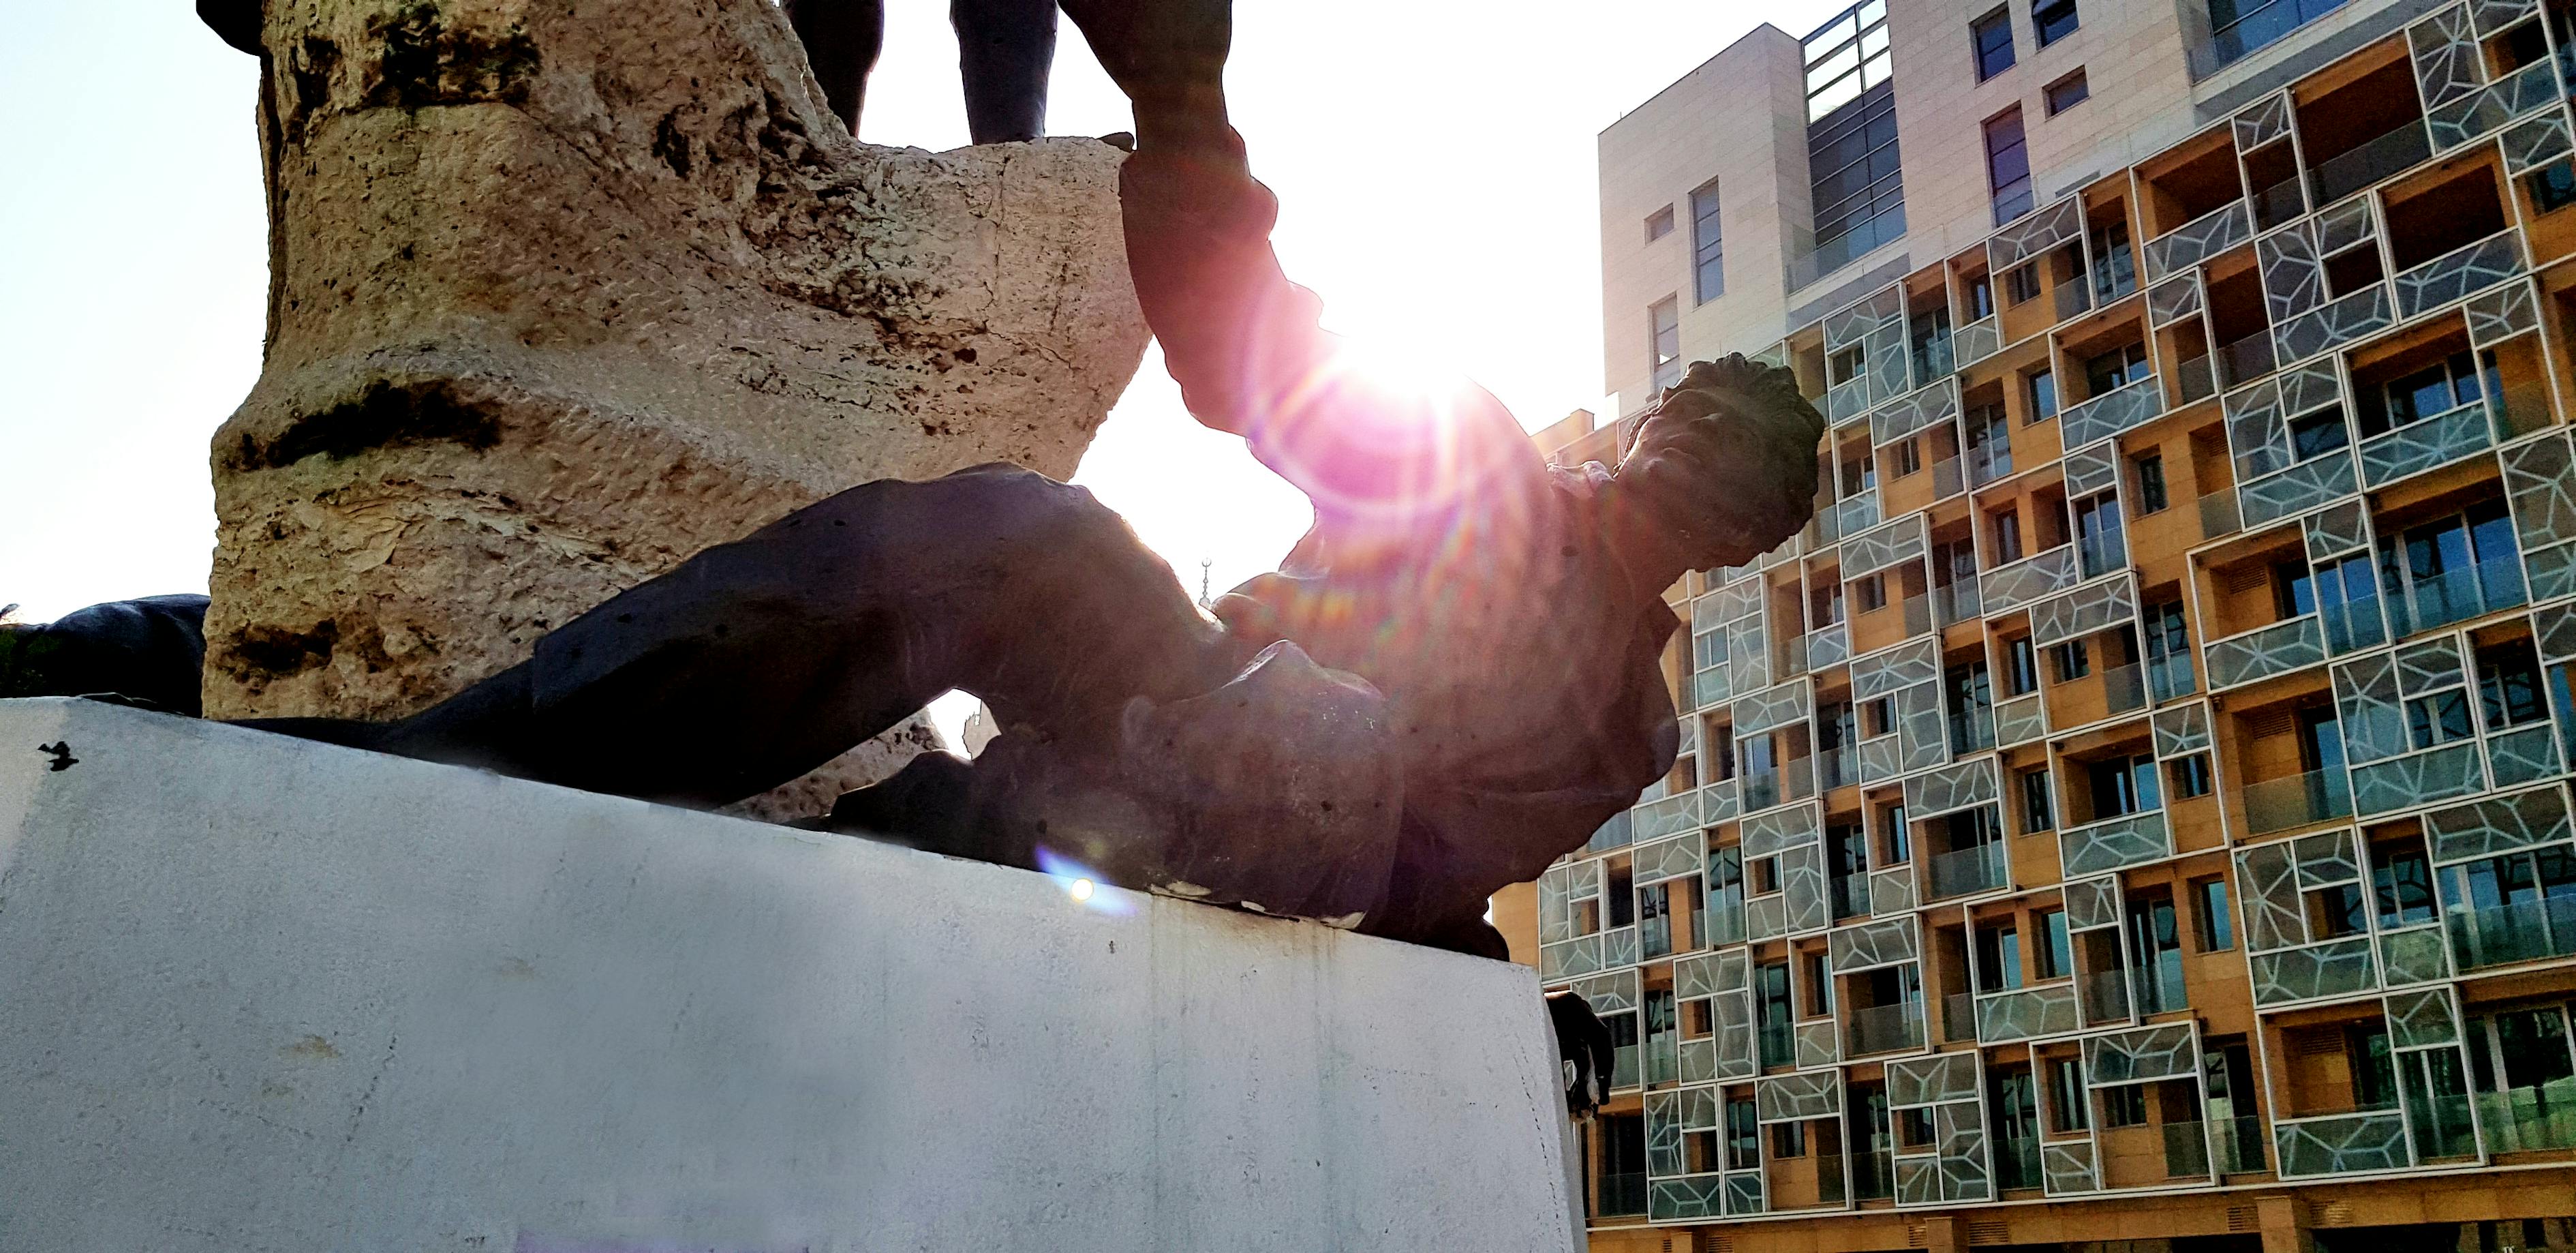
{"points": [[1788, 1140], [2150, 472], [2116, 369], [1708, 246], [2043, 396], [2374, 1074], [2021, 667], [2190, 776], [1998, 959], [2509, 684], [2441, 718], [1659, 223], [2211, 923], [2073, 661], [1820, 985], [1981, 297], [1665, 340], [2317, 434], [2008, 166], [2067, 1106], [2125, 1106], [2068, 92], [2056, 952], [1994, 40], [2053, 19], [2553, 188], [2036, 814], [1743, 1136], [2007, 536], [2402, 883]]}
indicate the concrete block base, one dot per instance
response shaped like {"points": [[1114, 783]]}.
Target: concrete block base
{"points": [[260, 994]]}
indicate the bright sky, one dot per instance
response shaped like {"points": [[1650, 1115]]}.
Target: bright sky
{"points": [[1434, 158]]}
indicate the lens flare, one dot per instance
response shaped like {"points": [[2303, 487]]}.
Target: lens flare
{"points": [[1082, 885]]}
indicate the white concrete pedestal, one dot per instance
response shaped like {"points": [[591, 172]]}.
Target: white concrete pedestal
{"points": [[259, 994]]}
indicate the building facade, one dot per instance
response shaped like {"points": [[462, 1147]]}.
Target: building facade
{"points": [[2137, 809]]}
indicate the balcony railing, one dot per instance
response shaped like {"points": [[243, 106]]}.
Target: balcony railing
{"points": [[2279, 204], [2247, 359], [2456, 595], [1620, 1194], [2218, 515], [1883, 1028], [1972, 730], [2195, 380], [2297, 801], [1959, 1017], [1833, 254], [1792, 782], [1954, 603], [1932, 360], [1874, 1170], [1993, 459], [2519, 410], [1918, 614], [2239, 1142], [2522, 931], [1949, 478], [2125, 688], [2529, 1120], [2072, 298], [2187, 1149], [2017, 1161], [2256, 28], [1725, 915], [1849, 895], [1838, 767], [2170, 677], [1777, 1043], [1663, 1058], [2105, 996], [2390, 154], [1966, 871]]}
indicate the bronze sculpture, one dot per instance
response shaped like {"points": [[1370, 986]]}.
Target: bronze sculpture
{"points": [[1453, 680]]}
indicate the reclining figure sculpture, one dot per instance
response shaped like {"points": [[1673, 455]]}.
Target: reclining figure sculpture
{"points": [[1452, 680]]}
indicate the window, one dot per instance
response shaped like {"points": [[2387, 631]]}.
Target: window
{"points": [[2430, 392], [2068, 92], [1857, 188], [2097, 535], [1659, 223], [2115, 267], [2036, 814], [2008, 166], [1872, 594], [2317, 434], [1788, 1139], [2073, 661], [2553, 188], [2150, 473], [2056, 951], [1620, 888], [2210, 923], [2190, 776], [1664, 323], [2043, 394], [1981, 297], [2509, 685], [2066, 1098], [2053, 19], [2401, 881], [1998, 959], [1878, 718], [2123, 785], [2441, 718], [2021, 667], [1743, 1135], [1994, 41], [1909, 458], [1623, 1154], [2116, 369], [2022, 284], [2169, 667], [1708, 246], [2007, 536], [1820, 985], [2125, 1106], [1845, 57], [2374, 1075]]}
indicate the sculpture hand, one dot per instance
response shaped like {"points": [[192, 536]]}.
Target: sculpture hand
{"points": [[1722, 469], [1167, 55]]}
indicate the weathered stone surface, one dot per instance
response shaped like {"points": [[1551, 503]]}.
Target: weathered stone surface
{"points": [[564, 292]]}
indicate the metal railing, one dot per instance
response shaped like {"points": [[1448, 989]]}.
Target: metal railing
{"points": [[2390, 154], [1882, 1028], [1967, 870], [2296, 801], [2195, 380], [2456, 595], [2517, 932]]}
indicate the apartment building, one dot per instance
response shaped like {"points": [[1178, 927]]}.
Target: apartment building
{"points": [[2135, 815]]}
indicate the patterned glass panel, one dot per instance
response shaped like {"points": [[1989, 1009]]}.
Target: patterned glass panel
{"points": [[1818, 1044], [2262, 123], [1870, 945], [1829, 647], [2445, 50], [2268, 888], [2416, 955], [2084, 611], [1891, 891], [2173, 300], [1718, 802], [1610, 993], [1890, 366], [2021, 721], [1953, 788], [2326, 859], [2164, 1052], [2198, 240], [1619, 947], [1769, 833], [1977, 341], [2302, 487], [1888, 669], [2294, 276], [2028, 1013], [2540, 479], [2502, 314], [1918, 1181], [1663, 1134], [1671, 859], [2334, 968], [2490, 827], [1914, 1082], [1872, 551], [2346, 224], [2525, 756], [1802, 881], [1579, 956], [1695, 977], [2332, 326], [2112, 412], [1666, 816], [1847, 399], [2457, 273], [2422, 1019], [2067, 1169], [1920, 729], [1743, 1193], [1882, 759], [1929, 407], [2089, 470], [1774, 708], [2338, 530], [1850, 323], [2092, 904], [2341, 1144], [2035, 234], [2405, 782], [2430, 666], [2532, 87], [2489, 16], [1681, 1200], [2129, 840], [2182, 729], [2009, 587], [2276, 649], [2420, 446], [1791, 1098], [2531, 144], [1962, 1131], [2370, 710]]}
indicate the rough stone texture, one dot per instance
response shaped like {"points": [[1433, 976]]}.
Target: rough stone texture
{"points": [[270, 994], [563, 292]]}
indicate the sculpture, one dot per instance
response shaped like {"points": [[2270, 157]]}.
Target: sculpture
{"points": [[1453, 679]]}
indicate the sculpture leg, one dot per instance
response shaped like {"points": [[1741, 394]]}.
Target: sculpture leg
{"points": [[842, 39], [1005, 50], [756, 661]]}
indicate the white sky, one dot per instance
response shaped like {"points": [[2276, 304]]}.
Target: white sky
{"points": [[1434, 158]]}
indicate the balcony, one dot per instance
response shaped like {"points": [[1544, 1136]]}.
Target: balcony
{"points": [[1966, 871], [1932, 360], [1838, 767], [2389, 155], [1849, 895], [2529, 1120], [2196, 380], [2473, 590], [1769, 788], [2072, 299], [1619, 1195], [1954, 603], [2124, 688], [2256, 28], [2247, 359], [1972, 730], [2280, 204], [1959, 1017], [2187, 1149], [1882, 1029], [2105, 997], [2016, 1162], [1777, 1044], [2523, 931], [1993, 459], [2298, 801]]}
